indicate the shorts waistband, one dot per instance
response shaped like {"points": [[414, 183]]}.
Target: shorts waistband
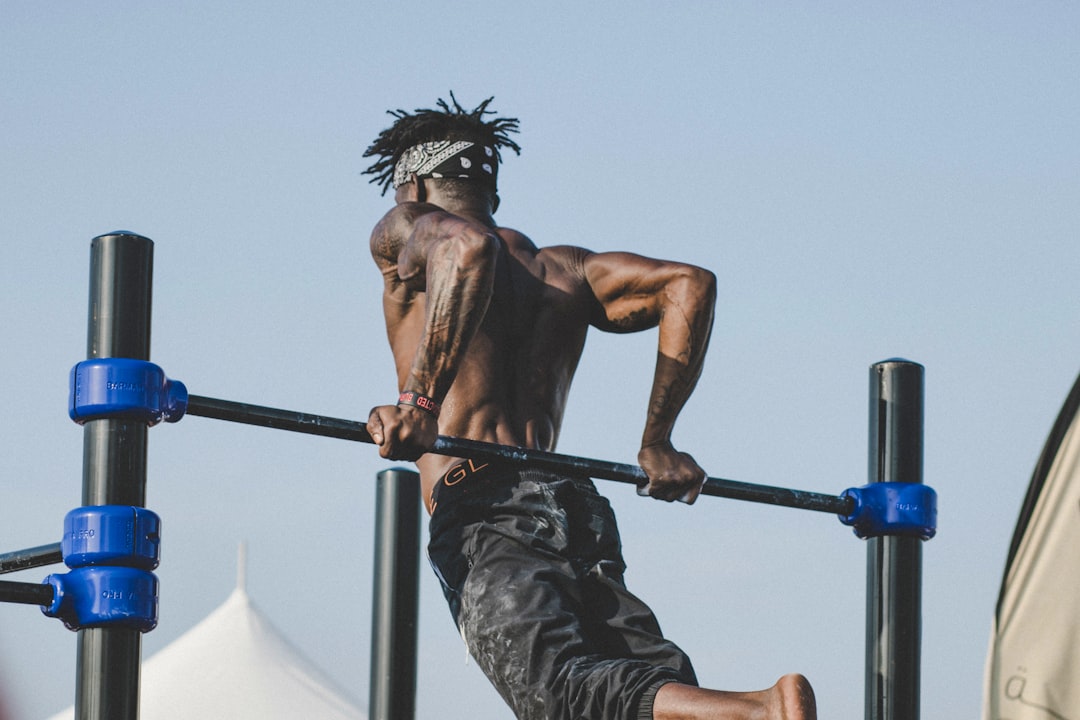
{"points": [[468, 476]]}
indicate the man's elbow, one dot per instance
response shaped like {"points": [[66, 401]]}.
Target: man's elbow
{"points": [[695, 285], [473, 248]]}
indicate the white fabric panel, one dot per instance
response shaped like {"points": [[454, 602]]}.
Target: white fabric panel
{"points": [[1033, 666]]}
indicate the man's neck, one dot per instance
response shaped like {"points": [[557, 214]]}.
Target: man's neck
{"points": [[473, 211]]}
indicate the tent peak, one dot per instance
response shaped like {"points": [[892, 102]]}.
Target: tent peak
{"points": [[241, 567]]}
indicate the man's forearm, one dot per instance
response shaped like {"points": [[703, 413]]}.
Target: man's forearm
{"points": [[460, 277], [685, 326]]}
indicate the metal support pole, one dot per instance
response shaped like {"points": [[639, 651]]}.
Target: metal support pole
{"points": [[894, 564], [394, 610], [114, 460]]}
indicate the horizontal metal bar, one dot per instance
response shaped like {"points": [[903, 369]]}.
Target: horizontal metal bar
{"points": [[26, 593], [31, 558], [279, 419], [622, 472], [457, 447]]}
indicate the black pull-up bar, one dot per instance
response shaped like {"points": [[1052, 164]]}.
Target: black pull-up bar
{"points": [[26, 593], [31, 558], [457, 447]]}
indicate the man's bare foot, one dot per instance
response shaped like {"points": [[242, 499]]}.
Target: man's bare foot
{"points": [[791, 698]]}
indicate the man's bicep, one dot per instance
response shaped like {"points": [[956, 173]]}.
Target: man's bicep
{"points": [[627, 288]]}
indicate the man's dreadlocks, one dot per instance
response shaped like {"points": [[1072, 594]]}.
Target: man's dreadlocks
{"points": [[427, 125]]}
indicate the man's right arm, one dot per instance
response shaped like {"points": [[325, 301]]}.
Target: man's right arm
{"points": [[635, 293]]}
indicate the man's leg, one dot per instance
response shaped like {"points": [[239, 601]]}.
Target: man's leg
{"points": [[791, 698]]}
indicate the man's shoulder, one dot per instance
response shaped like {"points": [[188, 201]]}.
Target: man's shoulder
{"points": [[403, 215], [517, 240], [395, 226], [569, 256], [566, 261]]}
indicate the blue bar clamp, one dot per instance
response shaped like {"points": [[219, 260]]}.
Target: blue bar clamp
{"points": [[124, 388], [892, 508], [111, 550]]}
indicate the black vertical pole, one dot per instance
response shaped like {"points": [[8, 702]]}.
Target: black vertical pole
{"points": [[114, 460], [395, 606], [894, 563]]}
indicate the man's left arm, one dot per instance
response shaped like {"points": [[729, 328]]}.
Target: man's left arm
{"points": [[637, 293], [446, 262]]}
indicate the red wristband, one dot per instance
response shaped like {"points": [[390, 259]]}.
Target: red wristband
{"points": [[423, 402]]}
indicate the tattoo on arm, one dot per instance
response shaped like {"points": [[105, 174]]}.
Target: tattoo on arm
{"points": [[685, 326], [459, 272], [384, 248], [634, 319]]}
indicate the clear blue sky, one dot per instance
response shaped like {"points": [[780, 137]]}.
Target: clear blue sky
{"points": [[867, 180]]}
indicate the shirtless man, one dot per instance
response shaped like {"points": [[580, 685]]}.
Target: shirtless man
{"points": [[486, 331]]}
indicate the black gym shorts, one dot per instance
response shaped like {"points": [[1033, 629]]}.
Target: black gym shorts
{"points": [[531, 566]]}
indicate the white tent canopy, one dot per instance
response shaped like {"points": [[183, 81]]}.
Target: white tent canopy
{"points": [[235, 664]]}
